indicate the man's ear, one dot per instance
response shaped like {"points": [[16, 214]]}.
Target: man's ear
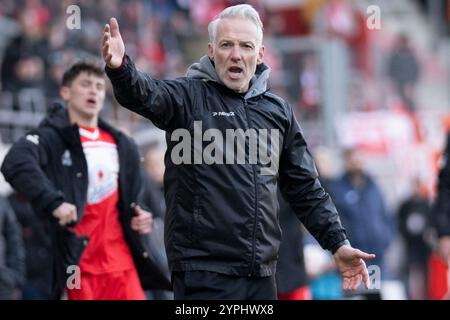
{"points": [[260, 55], [65, 93], [211, 51]]}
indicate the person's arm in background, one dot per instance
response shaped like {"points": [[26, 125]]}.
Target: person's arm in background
{"points": [[300, 186], [22, 168], [165, 102], [440, 214]]}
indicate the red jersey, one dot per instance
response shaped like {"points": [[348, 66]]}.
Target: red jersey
{"points": [[107, 250]]}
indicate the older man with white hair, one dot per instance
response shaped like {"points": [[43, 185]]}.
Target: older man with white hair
{"points": [[231, 144]]}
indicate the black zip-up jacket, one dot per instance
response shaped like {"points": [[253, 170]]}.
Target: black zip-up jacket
{"points": [[48, 166], [224, 217]]}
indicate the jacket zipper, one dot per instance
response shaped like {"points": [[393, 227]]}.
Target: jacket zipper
{"points": [[252, 264]]}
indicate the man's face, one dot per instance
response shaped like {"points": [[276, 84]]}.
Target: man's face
{"points": [[236, 52], [354, 162], [85, 95]]}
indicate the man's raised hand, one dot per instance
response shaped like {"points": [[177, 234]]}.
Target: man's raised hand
{"points": [[113, 46]]}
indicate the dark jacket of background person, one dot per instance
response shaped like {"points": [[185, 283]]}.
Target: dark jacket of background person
{"points": [[37, 248], [223, 218], [440, 218], [363, 214], [413, 219], [152, 199], [403, 66], [12, 253], [291, 272], [48, 166]]}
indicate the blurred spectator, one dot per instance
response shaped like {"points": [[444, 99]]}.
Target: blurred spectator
{"points": [[310, 96], [341, 19], [154, 164], [413, 217], [362, 209], [404, 70], [12, 253], [37, 249], [152, 196], [31, 43]]}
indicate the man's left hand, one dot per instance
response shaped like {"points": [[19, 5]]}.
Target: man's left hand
{"points": [[350, 262], [143, 221]]}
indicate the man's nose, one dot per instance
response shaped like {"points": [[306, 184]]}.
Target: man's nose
{"points": [[93, 90], [235, 53]]}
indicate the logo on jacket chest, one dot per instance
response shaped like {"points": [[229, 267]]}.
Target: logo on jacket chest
{"points": [[223, 114], [66, 159]]}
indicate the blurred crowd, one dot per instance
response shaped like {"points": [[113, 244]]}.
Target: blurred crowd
{"points": [[383, 74]]}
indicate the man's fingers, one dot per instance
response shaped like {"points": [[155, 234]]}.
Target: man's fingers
{"points": [[114, 27], [365, 278], [73, 216], [106, 31], [345, 283], [363, 255], [138, 210], [357, 281], [352, 283], [142, 213], [106, 37]]}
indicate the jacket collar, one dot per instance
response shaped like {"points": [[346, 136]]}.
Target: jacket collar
{"points": [[58, 119]]}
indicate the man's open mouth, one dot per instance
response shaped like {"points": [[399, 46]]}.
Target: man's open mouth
{"points": [[235, 72]]}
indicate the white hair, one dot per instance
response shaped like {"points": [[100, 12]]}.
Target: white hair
{"points": [[245, 11]]}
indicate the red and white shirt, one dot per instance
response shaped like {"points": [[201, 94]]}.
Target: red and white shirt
{"points": [[107, 250]]}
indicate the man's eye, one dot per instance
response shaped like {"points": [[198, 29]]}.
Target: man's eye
{"points": [[225, 45]]}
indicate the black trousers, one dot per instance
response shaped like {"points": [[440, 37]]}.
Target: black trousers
{"points": [[206, 285]]}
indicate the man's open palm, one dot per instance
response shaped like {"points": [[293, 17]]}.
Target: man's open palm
{"points": [[113, 46], [350, 262]]}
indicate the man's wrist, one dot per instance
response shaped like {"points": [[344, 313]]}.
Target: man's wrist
{"points": [[338, 245], [113, 71]]}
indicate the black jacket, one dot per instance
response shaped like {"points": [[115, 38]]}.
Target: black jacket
{"points": [[440, 218], [224, 217], [48, 166]]}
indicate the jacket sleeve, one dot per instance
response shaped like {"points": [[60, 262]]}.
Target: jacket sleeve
{"points": [[165, 102], [300, 186], [23, 169], [440, 214], [15, 252]]}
